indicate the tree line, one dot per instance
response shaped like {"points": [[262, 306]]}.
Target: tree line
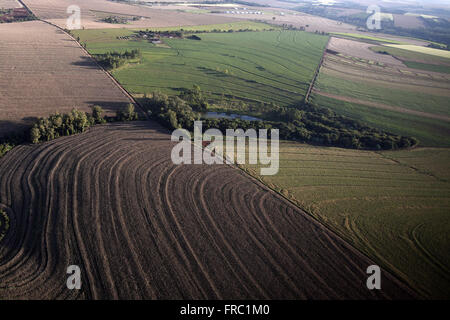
{"points": [[305, 123], [114, 59], [58, 125]]}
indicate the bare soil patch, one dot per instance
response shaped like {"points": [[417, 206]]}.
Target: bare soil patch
{"points": [[111, 201], [43, 70], [55, 11], [360, 50]]}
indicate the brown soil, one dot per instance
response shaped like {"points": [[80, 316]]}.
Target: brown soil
{"points": [[111, 201], [42, 71], [55, 11]]}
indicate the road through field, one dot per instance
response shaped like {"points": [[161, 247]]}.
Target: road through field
{"points": [[111, 201]]}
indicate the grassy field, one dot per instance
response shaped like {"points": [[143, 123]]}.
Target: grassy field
{"points": [[406, 55], [419, 101], [364, 37], [391, 205], [430, 132], [420, 49], [109, 35], [399, 109], [427, 66], [271, 66]]}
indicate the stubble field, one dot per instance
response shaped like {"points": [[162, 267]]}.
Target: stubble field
{"points": [[42, 71], [111, 201]]}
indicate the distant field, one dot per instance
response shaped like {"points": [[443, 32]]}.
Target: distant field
{"points": [[55, 12], [395, 98], [364, 37], [6, 4], [426, 50], [272, 66], [391, 205], [407, 55], [430, 132], [95, 36], [427, 66], [42, 71]]}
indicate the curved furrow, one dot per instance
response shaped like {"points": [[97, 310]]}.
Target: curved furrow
{"points": [[111, 201], [258, 290], [239, 273]]}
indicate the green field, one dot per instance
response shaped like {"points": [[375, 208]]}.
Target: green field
{"points": [[364, 37], [420, 49], [393, 206], [407, 55], [270, 66], [427, 66], [430, 132]]}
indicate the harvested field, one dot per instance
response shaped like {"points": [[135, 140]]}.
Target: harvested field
{"points": [[405, 21], [360, 50], [42, 71], [111, 201], [299, 19], [55, 11], [8, 4]]}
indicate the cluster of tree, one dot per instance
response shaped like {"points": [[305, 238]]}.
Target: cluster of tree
{"points": [[119, 20], [10, 141], [195, 98], [112, 60], [304, 123], [15, 15], [172, 112], [5, 147], [58, 125], [188, 33], [194, 37]]}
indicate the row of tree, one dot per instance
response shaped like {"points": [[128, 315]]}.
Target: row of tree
{"points": [[304, 122], [112, 60], [58, 125]]}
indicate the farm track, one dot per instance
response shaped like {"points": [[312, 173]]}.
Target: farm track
{"points": [[111, 201]]}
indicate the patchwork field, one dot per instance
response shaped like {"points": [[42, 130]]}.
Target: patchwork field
{"points": [[420, 49], [360, 50], [392, 97], [111, 201], [391, 205], [272, 66], [7, 4], [55, 11], [43, 70]]}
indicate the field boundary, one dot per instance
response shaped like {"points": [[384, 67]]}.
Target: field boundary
{"points": [[124, 91], [259, 181], [316, 73]]}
